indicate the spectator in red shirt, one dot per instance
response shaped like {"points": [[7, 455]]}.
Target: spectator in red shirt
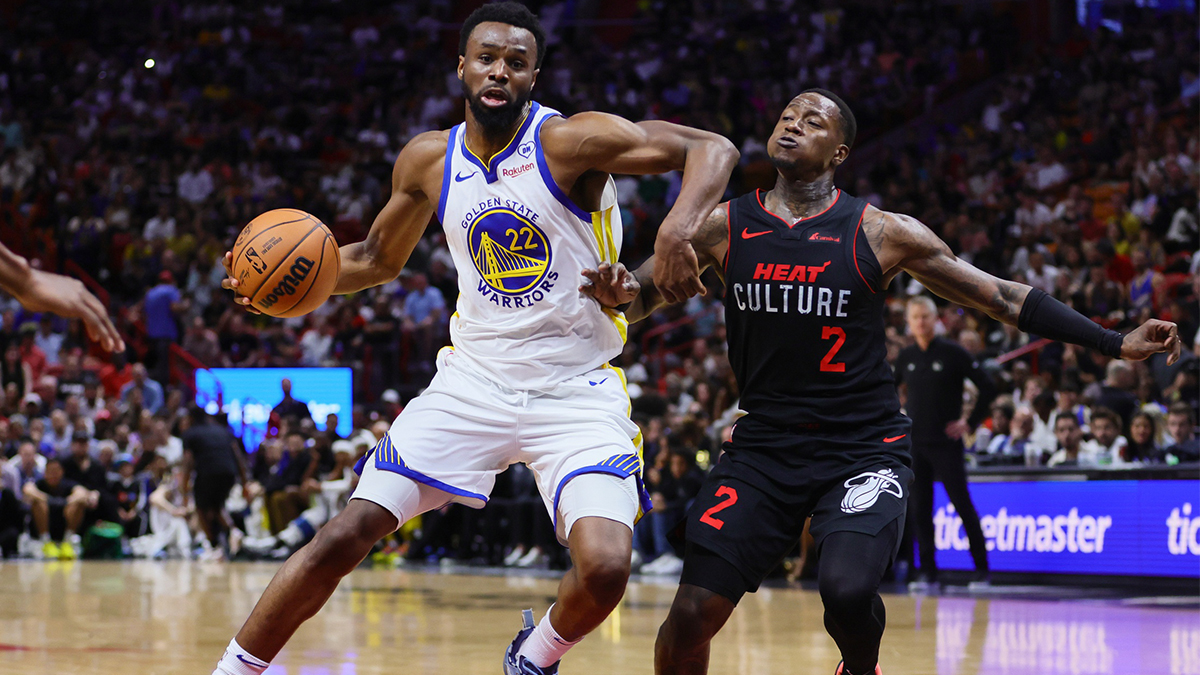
{"points": [[1118, 267], [1090, 227], [31, 354], [115, 375]]}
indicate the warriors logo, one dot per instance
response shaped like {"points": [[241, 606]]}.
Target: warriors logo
{"points": [[510, 252], [863, 490]]}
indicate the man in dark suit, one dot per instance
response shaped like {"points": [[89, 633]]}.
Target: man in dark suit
{"points": [[932, 370]]}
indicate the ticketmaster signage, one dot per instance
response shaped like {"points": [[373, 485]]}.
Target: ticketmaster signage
{"points": [[1133, 527]]}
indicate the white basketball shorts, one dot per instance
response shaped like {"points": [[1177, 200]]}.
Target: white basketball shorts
{"points": [[465, 429]]}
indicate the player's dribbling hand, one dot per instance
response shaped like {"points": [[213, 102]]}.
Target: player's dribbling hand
{"points": [[229, 283], [1153, 337], [610, 285], [676, 269], [68, 297]]}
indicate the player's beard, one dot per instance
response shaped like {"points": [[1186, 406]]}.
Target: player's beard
{"points": [[785, 165], [797, 168], [497, 122]]}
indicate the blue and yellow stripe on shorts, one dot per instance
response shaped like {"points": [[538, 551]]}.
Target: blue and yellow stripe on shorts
{"points": [[622, 466], [638, 443], [387, 458]]}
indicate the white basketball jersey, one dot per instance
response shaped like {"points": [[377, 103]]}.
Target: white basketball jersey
{"points": [[519, 244]]}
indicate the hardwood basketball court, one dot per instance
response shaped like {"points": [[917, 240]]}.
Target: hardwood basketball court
{"points": [[166, 618]]}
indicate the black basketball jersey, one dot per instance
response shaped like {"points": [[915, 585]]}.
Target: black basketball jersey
{"points": [[804, 309]]}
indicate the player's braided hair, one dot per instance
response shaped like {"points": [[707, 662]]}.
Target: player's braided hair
{"points": [[511, 13], [849, 124]]}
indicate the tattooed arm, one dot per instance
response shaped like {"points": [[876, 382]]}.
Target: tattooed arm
{"points": [[614, 286], [902, 243]]}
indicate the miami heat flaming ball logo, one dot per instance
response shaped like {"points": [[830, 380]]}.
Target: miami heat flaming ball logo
{"points": [[863, 490], [511, 253]]}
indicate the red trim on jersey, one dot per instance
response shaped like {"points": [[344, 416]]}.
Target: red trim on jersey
{"points": [[758, 196], [854, 250], [728, 238]]}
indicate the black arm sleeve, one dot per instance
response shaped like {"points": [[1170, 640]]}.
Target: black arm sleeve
{"points": [[1046, 317]]}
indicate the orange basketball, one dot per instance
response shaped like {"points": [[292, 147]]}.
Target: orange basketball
{"points": [[287, 262]]}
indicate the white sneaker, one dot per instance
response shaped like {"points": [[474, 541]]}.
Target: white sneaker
{"points": [[259, 545], [665, 565], [531, 558], [212, 555], [513, 556], [979, 585], [922, 587], [635, 560], [25, 546], [648, 568], [40, 550]]}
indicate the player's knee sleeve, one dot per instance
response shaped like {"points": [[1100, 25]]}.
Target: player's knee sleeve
{"points": [[404, 497], [846, 593], [597, 495], [851, 566]]}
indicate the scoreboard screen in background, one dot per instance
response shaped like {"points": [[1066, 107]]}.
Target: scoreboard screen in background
{"points": [[249, 394], [1120, 527]]}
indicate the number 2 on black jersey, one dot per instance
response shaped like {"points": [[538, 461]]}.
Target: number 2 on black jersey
{"points": [[839, 336]]}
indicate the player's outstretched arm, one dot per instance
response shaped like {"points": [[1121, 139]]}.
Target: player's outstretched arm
{"points": [[635, 292], [598, 141], [40, 291], [379, 258], [904, 243]]}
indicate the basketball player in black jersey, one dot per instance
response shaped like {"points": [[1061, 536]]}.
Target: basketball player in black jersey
{"points": [[806, 267]]}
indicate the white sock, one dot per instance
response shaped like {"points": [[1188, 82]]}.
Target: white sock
{"points": [[545, 647], [238, 661]]}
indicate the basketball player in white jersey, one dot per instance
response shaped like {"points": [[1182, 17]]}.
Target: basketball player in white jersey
{"points": [[527, 203]]}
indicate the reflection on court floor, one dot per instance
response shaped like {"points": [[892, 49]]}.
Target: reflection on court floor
{"points": [[166, 618], [1014, 636]]}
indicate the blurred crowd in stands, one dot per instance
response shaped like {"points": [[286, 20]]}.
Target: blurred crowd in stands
{"points": [[137, 141]]}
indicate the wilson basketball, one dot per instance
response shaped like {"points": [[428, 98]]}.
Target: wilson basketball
{"points": [[287, 262]]}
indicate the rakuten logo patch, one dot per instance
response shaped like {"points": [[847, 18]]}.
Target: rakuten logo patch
{"points": [[516, 171]]}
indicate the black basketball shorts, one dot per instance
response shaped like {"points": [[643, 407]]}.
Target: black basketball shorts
{"points": [[211, 490], [752, 507]]}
